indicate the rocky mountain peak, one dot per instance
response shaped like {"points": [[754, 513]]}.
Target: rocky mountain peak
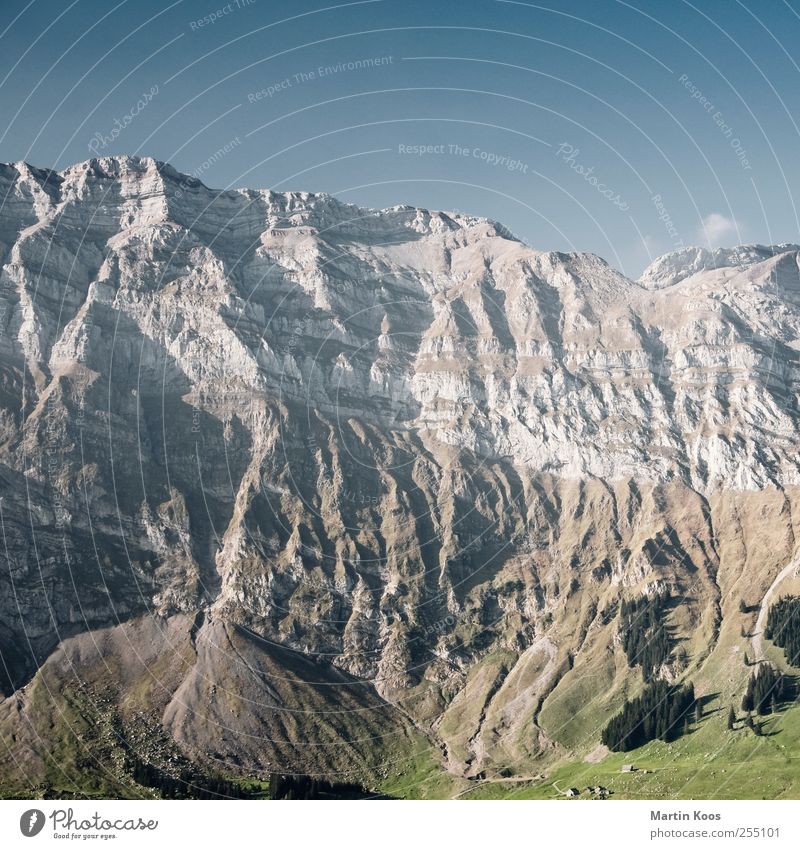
{"points": [[397, 440], [673, 267]]}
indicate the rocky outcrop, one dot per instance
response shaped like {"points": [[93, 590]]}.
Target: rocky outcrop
{"points": [[394, 443]]}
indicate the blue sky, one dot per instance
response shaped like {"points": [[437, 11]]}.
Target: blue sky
{"points": [[622, 128]]}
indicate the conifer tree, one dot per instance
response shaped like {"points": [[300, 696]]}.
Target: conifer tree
{"points": [[783, 627], [644, 634], [661, 712], [765, 688]]}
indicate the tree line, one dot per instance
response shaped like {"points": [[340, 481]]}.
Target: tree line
{"points": [[783, 627], [306, 787], [195, 785], [645, 637], [186, 785], [766, 689], [661, 712]]}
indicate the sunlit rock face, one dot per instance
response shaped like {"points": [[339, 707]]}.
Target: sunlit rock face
{"points": [[395, 441]]}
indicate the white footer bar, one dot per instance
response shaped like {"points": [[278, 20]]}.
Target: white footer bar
{"points": [[410, 825]]}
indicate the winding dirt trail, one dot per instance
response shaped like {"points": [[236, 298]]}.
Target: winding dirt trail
{"points": [[758, 631]]}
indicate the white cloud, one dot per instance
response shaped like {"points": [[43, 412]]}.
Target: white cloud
{"points": [[717, 230]]}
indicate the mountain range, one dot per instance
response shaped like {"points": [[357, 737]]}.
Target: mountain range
{"points": [[292, 486]]}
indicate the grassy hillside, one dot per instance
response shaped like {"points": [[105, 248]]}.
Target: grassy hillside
{"points": [[709, 763]]}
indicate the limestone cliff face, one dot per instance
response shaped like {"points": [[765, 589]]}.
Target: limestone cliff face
{"points": [[394, 441]]}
